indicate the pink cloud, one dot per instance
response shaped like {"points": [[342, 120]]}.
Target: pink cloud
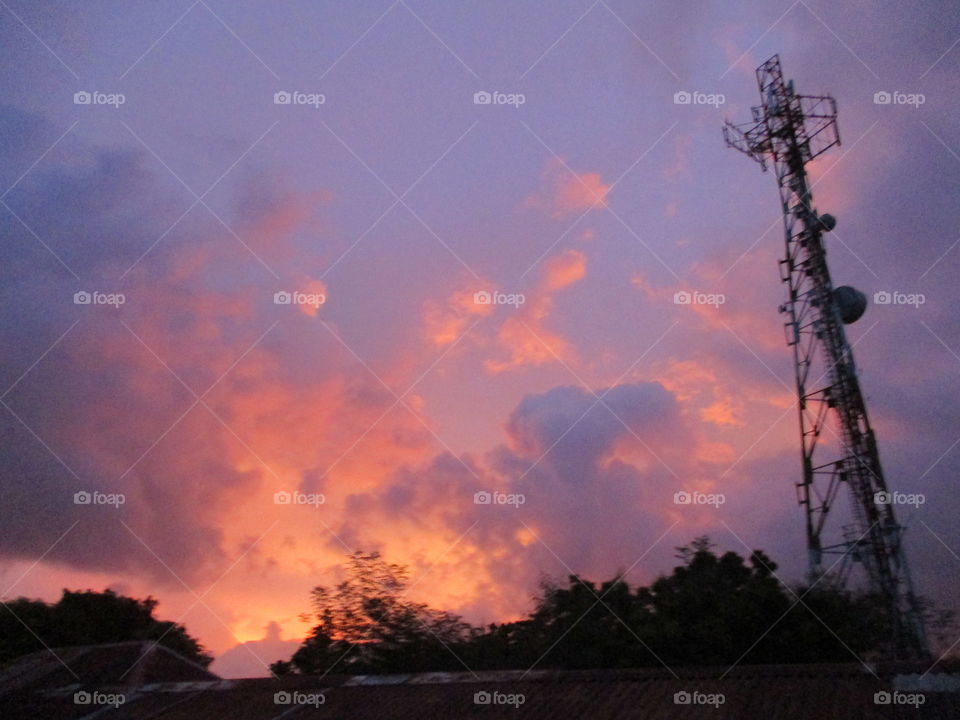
{"points": [[564, 192], [524, 335]]}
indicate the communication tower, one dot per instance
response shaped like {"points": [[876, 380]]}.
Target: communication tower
{"points": [[788, 131]]}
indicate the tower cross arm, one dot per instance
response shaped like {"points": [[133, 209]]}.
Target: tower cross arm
{"points": [[750, 139]]}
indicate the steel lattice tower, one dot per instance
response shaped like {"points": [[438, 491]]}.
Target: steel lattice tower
{"points": [[789, 130]]}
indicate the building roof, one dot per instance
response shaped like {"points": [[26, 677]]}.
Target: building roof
{"points": [[779, 692], [116, 664]]}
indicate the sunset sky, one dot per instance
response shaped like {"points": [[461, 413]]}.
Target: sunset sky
{"points": [[386, 387]]}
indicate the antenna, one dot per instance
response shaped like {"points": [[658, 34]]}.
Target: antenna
{"points": [[788, 131]]}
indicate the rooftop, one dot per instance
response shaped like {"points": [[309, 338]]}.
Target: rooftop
{"points": [[165, 685]]}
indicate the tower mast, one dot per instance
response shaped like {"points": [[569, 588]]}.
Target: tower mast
{"points": [[788, 131]]}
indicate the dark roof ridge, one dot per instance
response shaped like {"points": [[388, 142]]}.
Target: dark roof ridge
{"points": [[814, 670]]}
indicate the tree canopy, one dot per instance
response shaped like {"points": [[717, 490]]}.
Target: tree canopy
{"points": [[90, 618], [368, 625], [711, 609]]}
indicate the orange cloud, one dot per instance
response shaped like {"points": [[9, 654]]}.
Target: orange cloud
{"points": [[527, 346], [447, 320], [524, 335], [313, 294], [564, 269], [723, 412], [564, 192], [284, 406]]}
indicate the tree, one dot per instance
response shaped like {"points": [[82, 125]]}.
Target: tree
{"points": [[365, 625], [710, 610], [90, 618]]}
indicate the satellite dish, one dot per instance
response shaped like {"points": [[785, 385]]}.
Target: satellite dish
{"points": [[850, 302], [827, 222]]}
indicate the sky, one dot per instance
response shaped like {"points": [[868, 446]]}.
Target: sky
{"points": [[247, 249]]}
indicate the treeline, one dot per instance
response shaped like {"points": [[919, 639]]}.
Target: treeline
{"points": [[711, 610], [89, 618]]}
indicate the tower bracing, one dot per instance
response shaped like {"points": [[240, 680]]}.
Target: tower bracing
{"points": [[839, 449]]}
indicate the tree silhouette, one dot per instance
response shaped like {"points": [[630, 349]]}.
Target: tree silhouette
{"points": [[89, 618], [710, 610], [366, 625]]}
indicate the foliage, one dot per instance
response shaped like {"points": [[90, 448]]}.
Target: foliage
{"points": [[89, 618], [711, 610], [366, 625]]}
